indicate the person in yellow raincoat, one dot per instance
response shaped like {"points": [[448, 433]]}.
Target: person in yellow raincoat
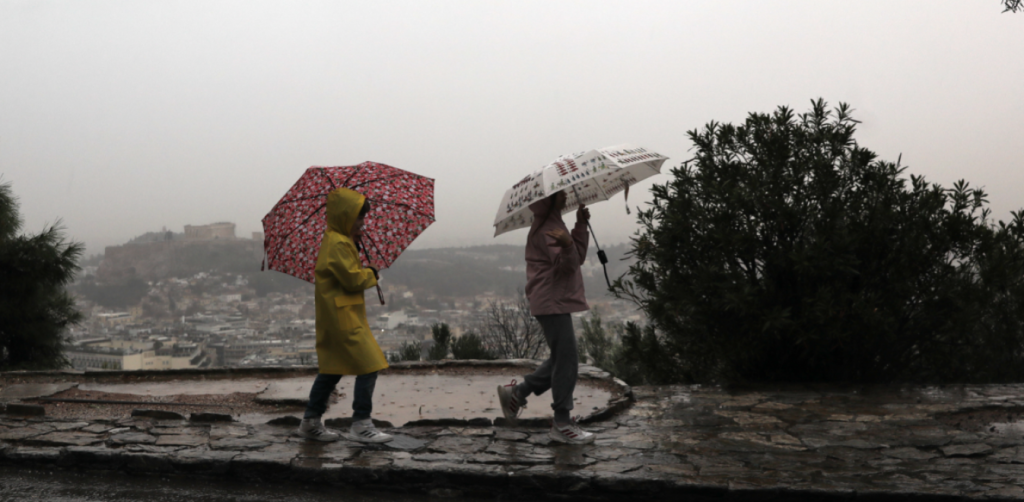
{"points": [[344, 341]]}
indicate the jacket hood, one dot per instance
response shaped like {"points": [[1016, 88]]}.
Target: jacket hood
{"points": [[343, 206], [540, 211], [541, 207]]}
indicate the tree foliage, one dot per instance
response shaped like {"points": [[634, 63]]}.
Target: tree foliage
{"points": [[595, 343], [442, 338], [409, 351], [470, 346], [35, 308], [627, 351], [784, 251], [116, 295]]}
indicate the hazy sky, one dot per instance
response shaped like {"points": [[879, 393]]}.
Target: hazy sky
{"points": [[126, 117]]}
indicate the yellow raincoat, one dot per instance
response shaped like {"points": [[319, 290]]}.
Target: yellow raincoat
{"points": [[344, 341]]}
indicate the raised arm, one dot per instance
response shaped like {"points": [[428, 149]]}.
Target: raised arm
{"points": [[343, 263], [570, 251]]}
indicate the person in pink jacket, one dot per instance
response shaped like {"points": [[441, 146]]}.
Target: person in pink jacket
{"points": [[554, 287]]}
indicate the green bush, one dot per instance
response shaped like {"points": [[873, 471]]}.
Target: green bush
{"points": [[470, 346], [410, 351], [119, 295], [785, 251], [442, 336], [624, 350], [596, 343]]}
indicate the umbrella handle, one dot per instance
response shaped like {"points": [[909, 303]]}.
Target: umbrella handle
{"points": [[601, 256], [380, 294]]}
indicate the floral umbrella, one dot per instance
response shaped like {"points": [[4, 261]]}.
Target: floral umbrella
{"points": [[586, 177], [402, 207]]}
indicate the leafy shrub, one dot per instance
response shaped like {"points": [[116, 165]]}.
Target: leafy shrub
{"points": [[470, 346], [596, 343], [785, 251], [119, 295], [410, 351], [442, 336], [627, 351]]}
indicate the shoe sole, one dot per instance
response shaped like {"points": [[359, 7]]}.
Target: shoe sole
{"points": [[318, 438], [360, 439], [555, 436], [503, 397]]}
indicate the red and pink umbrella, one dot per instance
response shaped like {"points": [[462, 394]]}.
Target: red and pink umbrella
{"points": [[402, 207]]}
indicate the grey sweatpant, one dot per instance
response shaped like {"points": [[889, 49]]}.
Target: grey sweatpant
{"points": [[560, 371]]}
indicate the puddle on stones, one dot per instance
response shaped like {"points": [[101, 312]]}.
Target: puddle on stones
{"points": [[399, 397], [179, 387], [404, 398]]}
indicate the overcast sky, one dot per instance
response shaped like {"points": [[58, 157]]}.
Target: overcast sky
{"points": [[126, 117]]}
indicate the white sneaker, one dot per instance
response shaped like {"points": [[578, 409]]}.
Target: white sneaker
{"points": [[311, 428], [511, 406], [365, 432], [571, 433]]}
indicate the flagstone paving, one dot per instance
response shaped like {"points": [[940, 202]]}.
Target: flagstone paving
{"points": [[814, 443]]}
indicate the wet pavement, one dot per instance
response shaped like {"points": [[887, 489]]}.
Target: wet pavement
{"points": [[33, 390], [18, 485], [404, 395], [703, 443], [181, 387]]}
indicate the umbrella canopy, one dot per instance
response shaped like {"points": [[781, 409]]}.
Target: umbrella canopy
{"points": [[402, 207], [586, 177]]}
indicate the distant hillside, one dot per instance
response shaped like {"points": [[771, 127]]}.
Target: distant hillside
{"points": [[500, 269], [152, 260], [439, 272]]}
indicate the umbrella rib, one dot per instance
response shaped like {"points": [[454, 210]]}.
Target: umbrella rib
{"points": [[376, 179], [377, 250], [355, 171], [300, 199], [289, 234], [384, 202], [323, 171]]}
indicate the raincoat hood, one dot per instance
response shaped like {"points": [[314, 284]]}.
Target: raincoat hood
{"points": [[343, 206]]}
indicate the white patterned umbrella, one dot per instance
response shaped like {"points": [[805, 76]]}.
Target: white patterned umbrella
{"points": [[586, 177]]}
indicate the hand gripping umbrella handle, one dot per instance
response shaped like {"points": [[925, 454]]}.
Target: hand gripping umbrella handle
{"points": [[359, 247], [601, 256]]}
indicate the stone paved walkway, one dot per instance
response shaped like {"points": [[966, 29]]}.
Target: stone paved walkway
{"points": [[942, 443]]}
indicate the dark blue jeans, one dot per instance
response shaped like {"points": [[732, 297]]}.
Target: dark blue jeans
{"points": [[323, 386], [560, 372]]}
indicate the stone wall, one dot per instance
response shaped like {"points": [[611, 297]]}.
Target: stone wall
{"points": [[221, 230]]}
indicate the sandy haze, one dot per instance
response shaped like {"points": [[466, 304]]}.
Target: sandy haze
{"points": [[122, 117]]}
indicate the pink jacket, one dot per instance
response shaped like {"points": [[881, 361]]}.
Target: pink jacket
{"points": [[554, 284]]}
